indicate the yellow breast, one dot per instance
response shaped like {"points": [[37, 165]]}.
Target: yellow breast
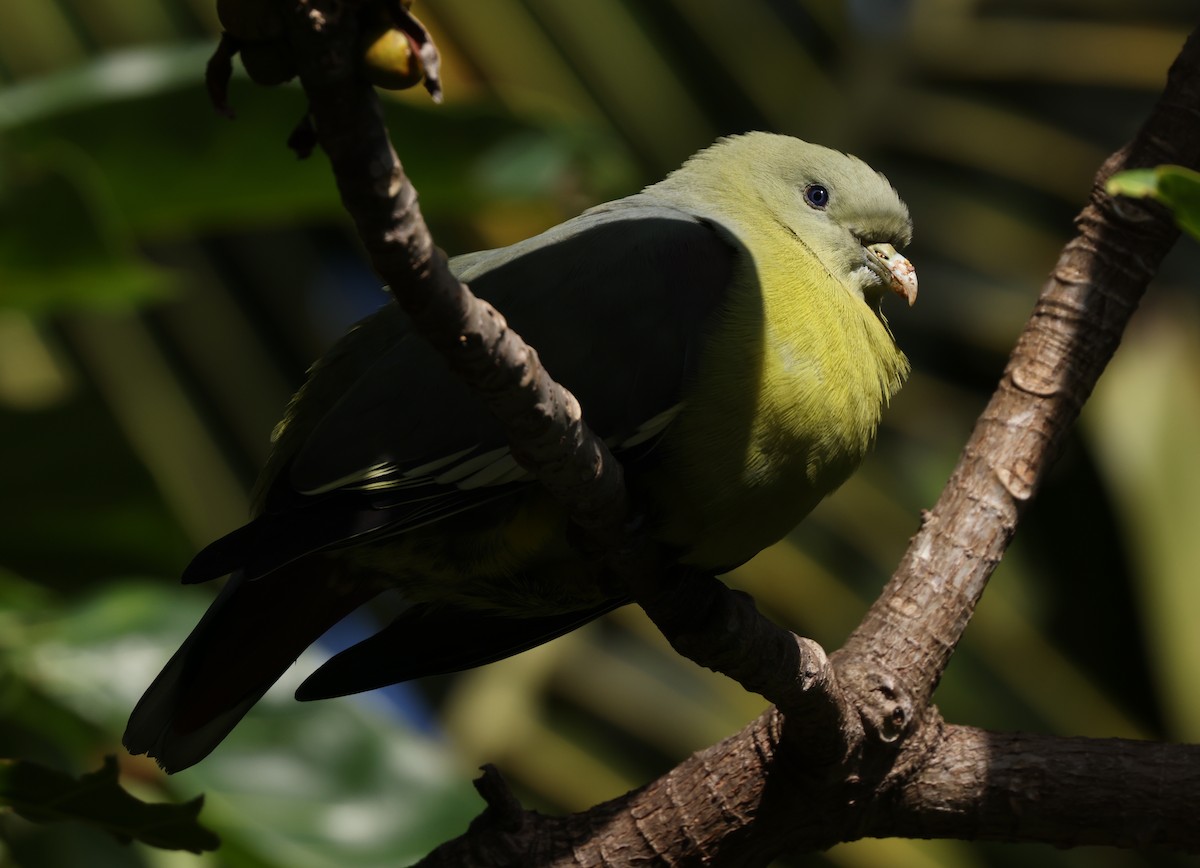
{"points": [[785, 404]]}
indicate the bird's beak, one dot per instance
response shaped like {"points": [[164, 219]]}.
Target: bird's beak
{"points": [[901, 275]]}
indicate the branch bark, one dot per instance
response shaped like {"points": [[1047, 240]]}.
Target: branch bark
{"points": [[914, 626], [860, 750], [1069, 792]]}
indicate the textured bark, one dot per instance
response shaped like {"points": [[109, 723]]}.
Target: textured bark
{"points": [[1068, 792], [857, 749], [915, 625]]}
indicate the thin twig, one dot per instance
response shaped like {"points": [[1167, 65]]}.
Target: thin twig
{"points": [[543, 420]]}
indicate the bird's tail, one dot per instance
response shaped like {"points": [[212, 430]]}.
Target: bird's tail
{"points": [[250, 635]]}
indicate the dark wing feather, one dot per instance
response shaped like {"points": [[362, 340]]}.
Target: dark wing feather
{"points": [[387, 439], [433, 640], [614, 303], [275, 539], [384, 439], [248, 637]]}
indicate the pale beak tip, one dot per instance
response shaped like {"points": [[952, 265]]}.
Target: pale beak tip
{"points": [[903, 272]]}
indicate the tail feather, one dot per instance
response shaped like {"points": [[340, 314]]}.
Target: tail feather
{"points": [[223, 556], [433, 640], [250, 635], [272, 540]]}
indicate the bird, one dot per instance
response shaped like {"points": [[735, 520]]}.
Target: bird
{"points": [[723, 332]]}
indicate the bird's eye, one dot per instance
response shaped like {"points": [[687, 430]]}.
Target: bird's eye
{"points": [[817, 196]]}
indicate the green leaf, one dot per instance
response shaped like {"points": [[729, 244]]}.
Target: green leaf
{"points": [[1138, 183], [43, 795], [63, 244], [1142, 421], [307, 785], [1175, 186], [174, 167]]}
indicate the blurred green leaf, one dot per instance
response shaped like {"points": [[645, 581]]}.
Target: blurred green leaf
{"points": [[1175, 186], [76, 516], [312, 785], [43, 795], [63, 245], [1138, 183], [1142, 419], [175, 168]]}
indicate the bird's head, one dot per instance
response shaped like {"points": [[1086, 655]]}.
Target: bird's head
{"points": [[847, 214]]}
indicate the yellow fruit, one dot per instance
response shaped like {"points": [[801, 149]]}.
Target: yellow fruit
{"points": [[268, 62], [251, 20], [391, 60]]}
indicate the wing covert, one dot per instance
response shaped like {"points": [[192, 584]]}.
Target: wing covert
{"points": [[614, 302]]}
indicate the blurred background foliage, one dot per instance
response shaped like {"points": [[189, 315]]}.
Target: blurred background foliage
{"points": [[167, 276]]}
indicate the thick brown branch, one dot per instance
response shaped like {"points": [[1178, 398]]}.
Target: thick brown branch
{"points": [[916, 623], [740, 803], [733, 804], [1068, 792]]}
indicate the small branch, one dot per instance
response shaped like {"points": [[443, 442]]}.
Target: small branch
{"points": [[722, 630], [543, 420], [915, 625], [1068, 792]]}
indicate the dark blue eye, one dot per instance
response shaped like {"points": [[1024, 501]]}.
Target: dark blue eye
{"points": [[816, 195]]}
